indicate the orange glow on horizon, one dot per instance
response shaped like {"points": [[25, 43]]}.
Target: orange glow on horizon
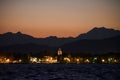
{"points": [[61, 18]]}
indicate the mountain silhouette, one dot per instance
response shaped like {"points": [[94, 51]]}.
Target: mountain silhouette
{"points": [[10, 38], [93, 46], [97, 40], [79, 46], [99, 33]]}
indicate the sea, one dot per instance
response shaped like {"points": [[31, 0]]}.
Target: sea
{"points": [[59, 71]]}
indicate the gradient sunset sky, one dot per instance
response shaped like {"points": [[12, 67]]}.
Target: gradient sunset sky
{"points": [[62, 18]]}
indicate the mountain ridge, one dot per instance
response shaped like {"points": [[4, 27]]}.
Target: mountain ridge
{"points": [[10, 38], [94, 45], [99, 33], [80, 46]]}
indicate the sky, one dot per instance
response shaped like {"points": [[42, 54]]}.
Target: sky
{"points": [[61, 18]]}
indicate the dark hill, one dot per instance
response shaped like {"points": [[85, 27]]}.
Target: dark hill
{"points": [[99, 33], [10, 38], [79, 46], [24, 48], [97, 40], [93, 46]]}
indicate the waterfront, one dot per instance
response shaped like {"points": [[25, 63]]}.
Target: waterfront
{"points": [[59, 71]]}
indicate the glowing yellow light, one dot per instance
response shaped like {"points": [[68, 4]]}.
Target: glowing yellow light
{"points": [[15, 61], [77, 60], [40, 60], [47, 59], [51, 58], [87, 60], [67, 59], [20, 60], [109, 59], [34, 59], [103, 60], [7, 60], [115, 60]]}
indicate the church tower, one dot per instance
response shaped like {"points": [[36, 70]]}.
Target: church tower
{"points": [[59, 52], [59, 57]]}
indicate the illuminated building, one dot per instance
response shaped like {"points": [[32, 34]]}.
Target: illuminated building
{"points": [[33, 59], [87, 61], [95, 60], [59, 51], [7, 60], [59, 57], [115, 61], [67, 60]]}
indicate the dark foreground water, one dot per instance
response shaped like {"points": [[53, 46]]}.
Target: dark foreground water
{"points": [[59, 71]]}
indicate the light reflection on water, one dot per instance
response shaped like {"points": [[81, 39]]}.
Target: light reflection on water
{"points": [[59, 71]]}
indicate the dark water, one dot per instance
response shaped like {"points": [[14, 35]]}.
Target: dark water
{"points": [[59, 71]]}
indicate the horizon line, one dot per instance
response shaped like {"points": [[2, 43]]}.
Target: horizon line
{"points": [[118, 28]]}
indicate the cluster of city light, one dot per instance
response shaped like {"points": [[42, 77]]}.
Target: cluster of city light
{"points": [[45, 59], [66, 59], [8, 60], [90, 60], [4, 60], [50, 60], [61, 59]]}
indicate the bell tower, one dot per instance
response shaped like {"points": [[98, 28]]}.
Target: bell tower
{"points": [[59, 52], [60, 57]]}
